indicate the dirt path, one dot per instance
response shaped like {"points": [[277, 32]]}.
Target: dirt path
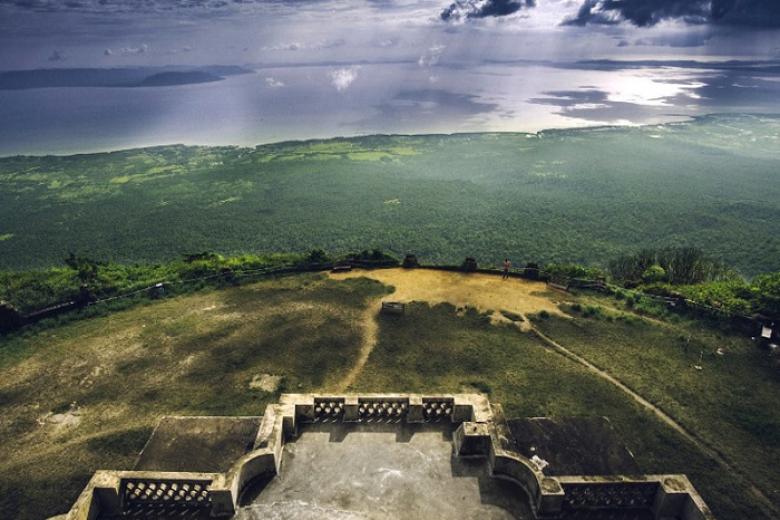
{"points": [[370, 338], [766, 504]]}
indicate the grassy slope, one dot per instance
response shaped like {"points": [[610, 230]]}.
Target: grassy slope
{"points": [[190, 355], [579, 195], [434, 349], [198, 353], [731, 403]]}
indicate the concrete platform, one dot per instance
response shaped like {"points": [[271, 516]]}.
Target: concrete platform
{"points": [[387, 456], [381, 472]]}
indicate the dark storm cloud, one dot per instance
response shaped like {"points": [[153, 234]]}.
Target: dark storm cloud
{"points": [[461, 9], [646, 13], [642, 13]]}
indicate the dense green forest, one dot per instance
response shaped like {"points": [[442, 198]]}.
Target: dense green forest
{"points": [[583, 196]]}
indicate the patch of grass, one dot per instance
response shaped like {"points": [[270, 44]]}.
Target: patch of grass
{"points": [[61, 408], [730, 403], [195, 354], [121, 442], [434, 349], [480, 386]]}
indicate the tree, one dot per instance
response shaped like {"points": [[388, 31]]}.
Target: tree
{"points": [[317, 256], [654, 274], [86, 269], [768, 298], [681, 266]]}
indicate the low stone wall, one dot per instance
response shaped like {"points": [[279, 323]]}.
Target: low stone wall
{"points": [[143, 493], [481, 431]]}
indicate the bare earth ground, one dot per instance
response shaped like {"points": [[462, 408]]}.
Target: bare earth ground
{"points": [[484, 292]]}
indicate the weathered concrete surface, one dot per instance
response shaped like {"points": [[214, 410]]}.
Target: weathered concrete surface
{"points": [[573, 445], [199, 444], [381, 472]]}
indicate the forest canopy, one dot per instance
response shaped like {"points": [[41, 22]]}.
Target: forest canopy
{"points": [[571, 196]]}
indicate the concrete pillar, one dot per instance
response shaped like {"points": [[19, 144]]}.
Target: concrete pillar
{"points": [[416, 414], [351, 409], [472, 439], [222, 503]]}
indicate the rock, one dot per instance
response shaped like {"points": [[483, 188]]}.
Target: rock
{"points": [[266, 382]]}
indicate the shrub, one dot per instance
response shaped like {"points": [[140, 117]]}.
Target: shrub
{"points": [[768, 288], [654, 273], [682, 265], [592, 311], [317, 256], [574, 271]]}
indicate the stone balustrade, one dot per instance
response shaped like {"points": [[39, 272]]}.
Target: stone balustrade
{"points": [[145, 495], [610, 495], [480, 431]]}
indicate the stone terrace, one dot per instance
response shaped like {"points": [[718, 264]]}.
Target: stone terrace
{"points": [[384, 456]]}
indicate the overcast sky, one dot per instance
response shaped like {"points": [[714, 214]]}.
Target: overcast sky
{"points": [[336, 67], [111, 33]]}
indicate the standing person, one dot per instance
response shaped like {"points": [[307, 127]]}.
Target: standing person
{"points": [[507, 267]]}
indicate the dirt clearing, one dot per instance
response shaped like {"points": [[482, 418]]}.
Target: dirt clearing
{"points": [[482, 291], [509, 301]]}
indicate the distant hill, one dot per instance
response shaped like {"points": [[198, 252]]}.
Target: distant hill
{"points": [[178, 78], [121, 77]]}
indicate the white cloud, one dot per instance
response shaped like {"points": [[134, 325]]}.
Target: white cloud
{"points": [[290, 46], [306, 46], [389, 42], [431, 56], [128, 51], [274, 83], [180, 50], [343, 78]]}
